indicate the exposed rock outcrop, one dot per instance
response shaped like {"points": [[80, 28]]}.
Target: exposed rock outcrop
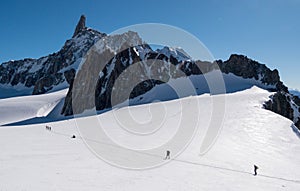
{"points": [[296, 99], [286, 105], [84, 90], [242, 66], [297, 124], [80, 26], [280, 103]]}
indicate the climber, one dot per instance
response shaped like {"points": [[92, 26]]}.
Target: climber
{"points": [[167, 155], [48, 127], [255, 170]]}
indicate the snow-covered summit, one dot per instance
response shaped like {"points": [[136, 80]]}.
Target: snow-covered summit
{"points": [[116, 43], [176, 52]]}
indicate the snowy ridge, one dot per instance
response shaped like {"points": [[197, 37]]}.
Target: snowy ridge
{"points": [[165, 92], [115, 42], [176, 52], [27, 107], [162, 92]]}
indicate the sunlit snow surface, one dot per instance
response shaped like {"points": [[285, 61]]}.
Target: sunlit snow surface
{"points": [[33, 158], [26, 107]]}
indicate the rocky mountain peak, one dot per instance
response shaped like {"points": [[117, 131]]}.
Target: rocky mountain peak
{"points": [[51, 72], [247, 68], [80, 25]]}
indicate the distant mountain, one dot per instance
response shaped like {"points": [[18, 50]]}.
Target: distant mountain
{"points": [[52, 72], [295, 92], [103, 58]]}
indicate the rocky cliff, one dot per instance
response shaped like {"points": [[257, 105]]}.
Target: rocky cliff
{"points": [[244, 67], [285, 104]]}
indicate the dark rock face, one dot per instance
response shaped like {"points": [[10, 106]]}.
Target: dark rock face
{"points": [[80, 26], [242, 66], [101, 58], [144, 87], [296, 99], [106, 82], [70, 75], [280, 103], [298, 123], [67, 108], [296, 105], [45, 84], [285, 104]]}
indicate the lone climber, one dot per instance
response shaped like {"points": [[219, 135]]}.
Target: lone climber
{"points": [[167, 155], [255, 170]]}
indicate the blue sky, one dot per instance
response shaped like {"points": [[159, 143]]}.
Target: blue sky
{"points": [[264, 30]]}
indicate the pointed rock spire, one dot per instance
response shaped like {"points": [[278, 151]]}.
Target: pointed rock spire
{"points": [[80, 25]]}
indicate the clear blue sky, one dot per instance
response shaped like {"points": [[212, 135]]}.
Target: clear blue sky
{"points": [[265, 30]]}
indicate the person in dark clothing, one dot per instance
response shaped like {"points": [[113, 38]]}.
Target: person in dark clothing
{"points": [[255, 170], [73, 137], [48, 127], [167, 155]]}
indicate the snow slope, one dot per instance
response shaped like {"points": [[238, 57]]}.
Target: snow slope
{"points": [[26, 107], [163, 92], [7, 91], [32, 158]]}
